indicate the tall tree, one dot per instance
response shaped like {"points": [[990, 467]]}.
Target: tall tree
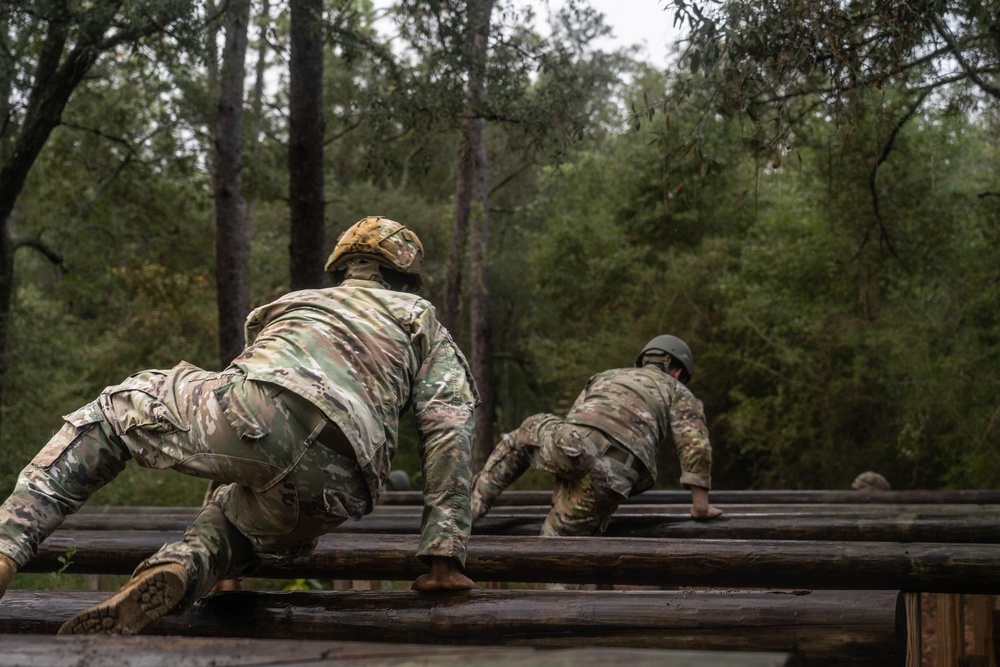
{"points": [[305, 145], [46, 51], [472, 221], [231, 241]]}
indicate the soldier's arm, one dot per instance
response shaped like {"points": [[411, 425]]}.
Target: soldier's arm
{"points": [[444, 397], [694, 450]]}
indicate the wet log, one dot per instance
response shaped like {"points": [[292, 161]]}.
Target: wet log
{"points": [[915, 566], [890, 524], [823, 627], [151, 651], [723, 496]]}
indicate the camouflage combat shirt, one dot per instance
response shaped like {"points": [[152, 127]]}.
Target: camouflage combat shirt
{"points": [[363, 354], [638, 407]]}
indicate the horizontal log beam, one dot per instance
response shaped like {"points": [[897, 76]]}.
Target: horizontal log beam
{"points": [[723, 496], [916, 566], [824, 627], [889, 525], [94, 512], [100, 651]]}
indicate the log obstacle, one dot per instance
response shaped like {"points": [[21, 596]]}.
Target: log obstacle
{"points": [[832, 628], [96, 651], [915, 566], [723, 496], [885, 523]]}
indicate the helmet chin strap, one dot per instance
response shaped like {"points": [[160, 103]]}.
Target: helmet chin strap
{"points": [[364, 269]]}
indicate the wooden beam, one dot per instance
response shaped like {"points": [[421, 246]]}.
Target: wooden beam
{"points": [[98, 651], [915, 566], [950, 630], [914, 630], [824, 627], [889, 524], [981, 615], [723, 496]]}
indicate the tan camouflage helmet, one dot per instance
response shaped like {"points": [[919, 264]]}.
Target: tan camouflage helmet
{"points": [[870, 481], [385, 241]]}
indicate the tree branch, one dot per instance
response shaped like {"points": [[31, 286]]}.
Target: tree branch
{"points": [[883, 156], [949, 39], [38, 245]]}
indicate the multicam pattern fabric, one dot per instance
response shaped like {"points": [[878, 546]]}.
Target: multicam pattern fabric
{"points": [[631, 409], [638, 407], [279, 489], [588, 486]]}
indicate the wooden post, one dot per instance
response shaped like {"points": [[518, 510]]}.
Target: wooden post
{"points": [[914, 631], [950, 630], [981, 614]]}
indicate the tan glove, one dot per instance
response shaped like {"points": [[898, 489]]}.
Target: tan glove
{"points": [[8, 568]]}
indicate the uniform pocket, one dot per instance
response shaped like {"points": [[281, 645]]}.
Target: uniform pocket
{"points": [[137, 405], [76, 422], [248, 407]]}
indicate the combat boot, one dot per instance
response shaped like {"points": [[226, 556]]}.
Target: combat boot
{"points": [[148, 596], [8, 568]]}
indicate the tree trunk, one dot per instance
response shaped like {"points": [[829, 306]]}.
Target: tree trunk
{"points": [[257, 116], [480, 324], [231, 247], [55, 83], [305, 148]]}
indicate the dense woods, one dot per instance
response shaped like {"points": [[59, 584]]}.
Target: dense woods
{"points": [[817, 216]]}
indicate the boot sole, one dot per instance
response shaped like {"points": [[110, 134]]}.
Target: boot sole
{"points": [[131, 609]]}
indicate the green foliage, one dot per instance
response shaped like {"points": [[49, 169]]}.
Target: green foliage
{"points": [[65, 561]]}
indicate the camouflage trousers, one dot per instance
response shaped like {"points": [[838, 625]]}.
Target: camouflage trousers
{"points": [[589, 485], [278, 489]]}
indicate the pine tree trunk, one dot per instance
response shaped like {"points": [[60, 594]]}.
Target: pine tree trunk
{"points": [[231, 247], [305, 148], [480, 324]]}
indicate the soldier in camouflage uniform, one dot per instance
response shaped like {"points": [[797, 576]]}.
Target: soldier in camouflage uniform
{"points": [[605, 449], [298, 435]]}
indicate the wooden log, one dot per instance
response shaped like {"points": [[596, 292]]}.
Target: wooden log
{"points": [[723, 496], [916, 566], [823, 627], [889, 526], [98, 651], [866, 509]]}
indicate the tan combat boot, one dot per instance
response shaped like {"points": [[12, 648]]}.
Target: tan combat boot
{"points": [[148, 596], [8, 568]]}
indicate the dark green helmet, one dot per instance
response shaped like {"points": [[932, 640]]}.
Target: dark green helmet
{"points": [[673, 346]]}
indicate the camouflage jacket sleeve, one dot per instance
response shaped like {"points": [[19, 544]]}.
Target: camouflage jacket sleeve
{"points": [[694, 449], [444, 397]]}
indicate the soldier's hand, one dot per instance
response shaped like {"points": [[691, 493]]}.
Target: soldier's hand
{"points": [[445, 575]]}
